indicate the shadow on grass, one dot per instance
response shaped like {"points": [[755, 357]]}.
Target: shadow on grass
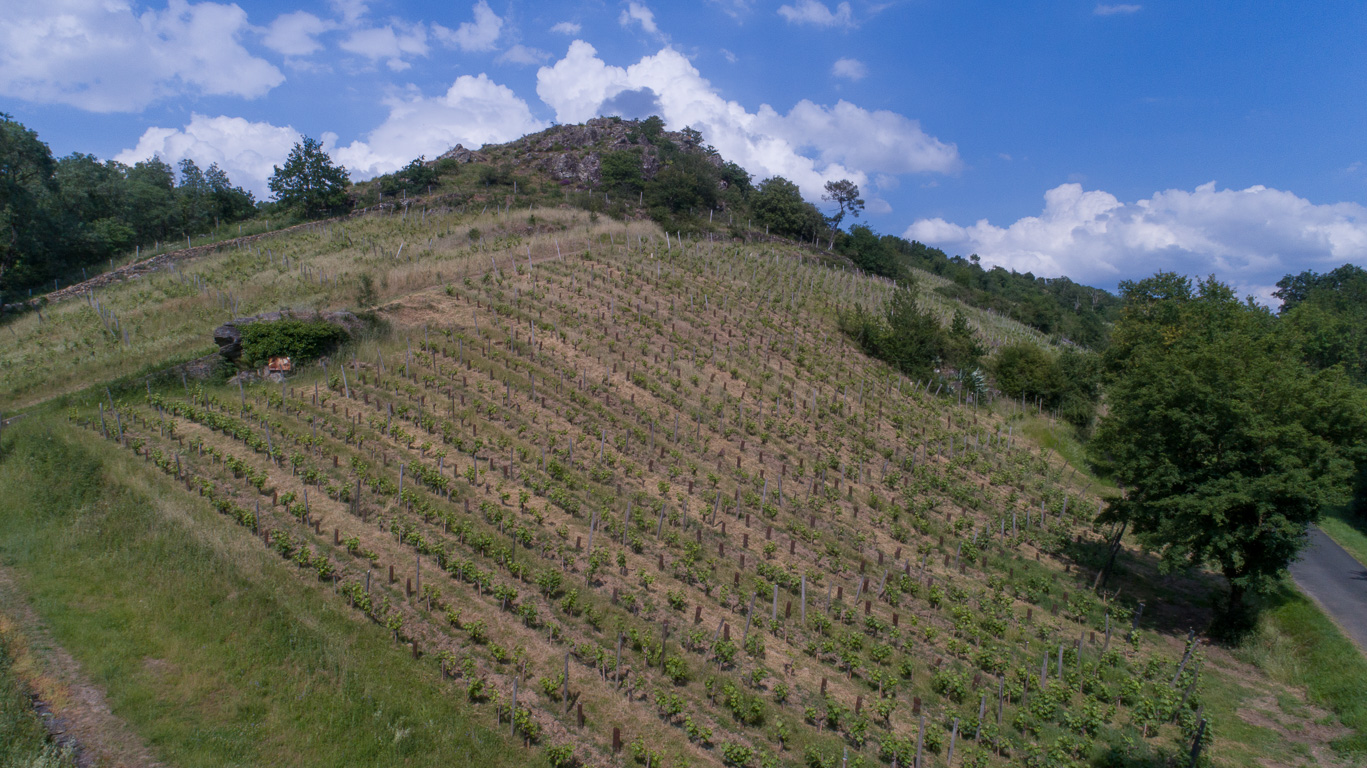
{"points": [[1174, 603]]}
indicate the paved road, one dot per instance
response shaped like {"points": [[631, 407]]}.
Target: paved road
{"points": [[1336, 581]]}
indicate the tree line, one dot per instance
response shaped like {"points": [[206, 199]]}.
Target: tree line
{"points": [[1228, 427], [61, 215], [58, 215]]}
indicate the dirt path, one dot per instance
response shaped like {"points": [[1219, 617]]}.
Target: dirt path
{"points": [[72, 706], [1336, 582]]}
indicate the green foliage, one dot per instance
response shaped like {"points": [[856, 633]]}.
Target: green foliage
{"points": [[300, 340], [778, 205], [309, 182], [845, 194], [737, 755], [905, 335], [417, 176], [1227, 445], [560, 755], [1326, 316], [620, 171], [1069, 382], [57, 216]]}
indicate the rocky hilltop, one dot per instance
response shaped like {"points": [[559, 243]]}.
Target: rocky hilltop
{"points": [[572, 154]]}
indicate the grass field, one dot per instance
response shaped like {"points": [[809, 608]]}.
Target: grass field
{"points": [[1349, 531], [1298, 645], [205, 644]]}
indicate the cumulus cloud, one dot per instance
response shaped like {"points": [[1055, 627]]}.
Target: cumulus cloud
{"points": [[103, 57], [810, 145], [391, 43], [478, 35], [817, 14], [566, 28], [247, 151], [850, 69], [1250, 237], [521, 54], [295, 34], [638, 13], [1116, 10], [474, 111], [351, 11]]}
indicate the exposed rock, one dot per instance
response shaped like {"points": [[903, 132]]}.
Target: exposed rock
{"points": [[229, 340], [571, 154], [460, 154]]}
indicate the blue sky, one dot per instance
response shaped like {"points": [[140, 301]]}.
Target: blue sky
{"points": [[1101, 141]]}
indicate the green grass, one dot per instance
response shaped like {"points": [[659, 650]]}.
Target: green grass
{"points": [[1298, 645], [213, 650], [1350, 532]]}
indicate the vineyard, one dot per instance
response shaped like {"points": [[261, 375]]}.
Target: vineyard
{"points": [[636, 485], [634, 500]]}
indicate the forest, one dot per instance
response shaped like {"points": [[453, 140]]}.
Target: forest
{"points": [[60, 215]]}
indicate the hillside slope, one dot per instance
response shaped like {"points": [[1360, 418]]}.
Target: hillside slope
{"points": [[569, 437]]}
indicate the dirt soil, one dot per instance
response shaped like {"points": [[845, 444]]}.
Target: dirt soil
{"points": [[73, 707]]}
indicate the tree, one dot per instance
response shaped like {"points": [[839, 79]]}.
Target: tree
{"points": [[620, 171], [844, 193], [1226, 445], [27, 229], [417, 176], [778, 205], [195, 197], [229, 203], [1326, 316], [905, 335], [309, 182]]}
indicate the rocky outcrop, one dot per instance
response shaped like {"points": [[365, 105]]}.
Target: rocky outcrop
{"points": [[460, 154], [228, 336], [571, 154]]}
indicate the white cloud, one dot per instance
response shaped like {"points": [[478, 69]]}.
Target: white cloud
{"points": [[639, 14], [247, 151], [1114, 10], [566, 28], [817, 14], [100, 56], [851, 69], [391, 43], [295, 34], [729, 56], [810, 145], [1250, 237], [351, 11], [474, 111], [734, 8], [478, 35], [521, 54]]}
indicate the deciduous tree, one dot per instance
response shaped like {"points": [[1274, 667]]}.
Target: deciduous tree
{"points": [[1221, 437]]}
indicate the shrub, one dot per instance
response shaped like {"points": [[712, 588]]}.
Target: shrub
{"points": [[299, 340]]}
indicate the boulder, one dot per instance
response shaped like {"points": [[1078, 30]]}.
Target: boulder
{"points": [[229, 340]]}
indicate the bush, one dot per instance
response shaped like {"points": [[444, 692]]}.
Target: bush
{"points": [[299, 340]]}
